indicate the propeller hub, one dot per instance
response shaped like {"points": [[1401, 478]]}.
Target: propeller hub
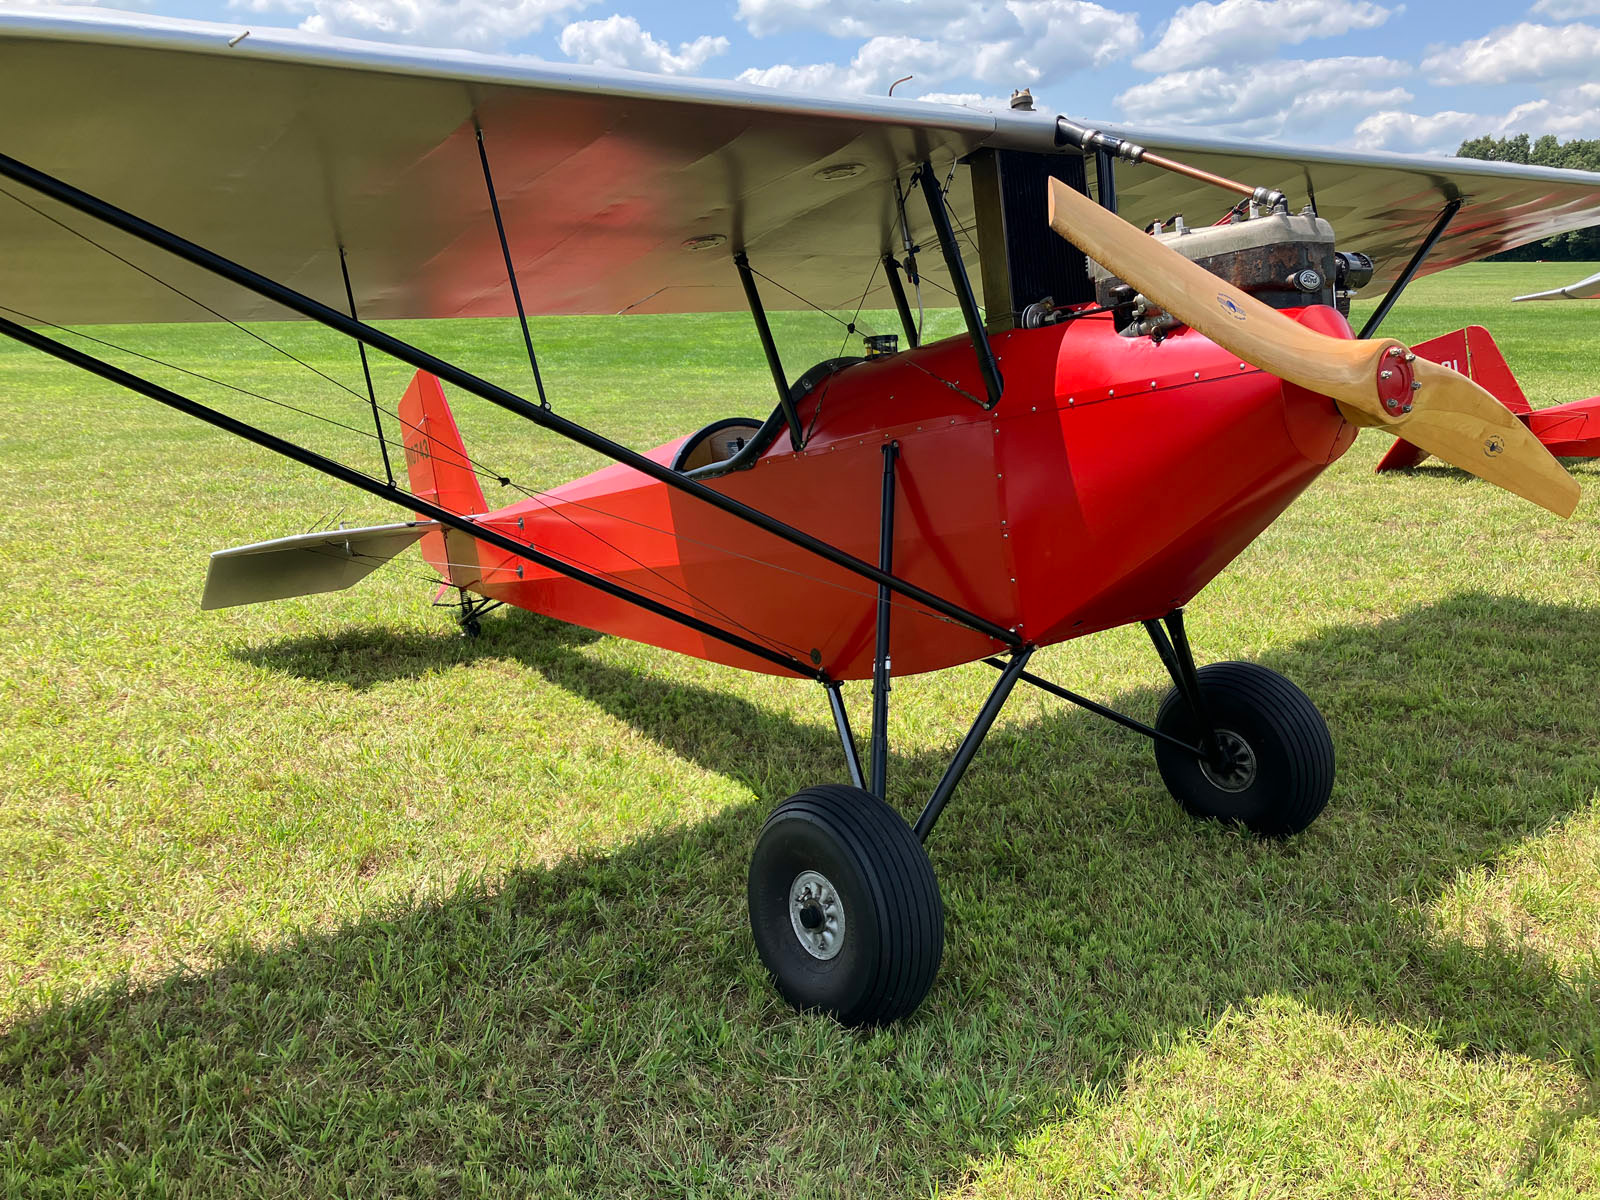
{"points": [[1396, 381]]}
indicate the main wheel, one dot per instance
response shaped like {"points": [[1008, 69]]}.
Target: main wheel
{"points": [[1277, 769], [844, 906]]}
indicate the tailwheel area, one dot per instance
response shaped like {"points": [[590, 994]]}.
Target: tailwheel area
{"points": [[844, 906], [469, 611], [1269, 762]]}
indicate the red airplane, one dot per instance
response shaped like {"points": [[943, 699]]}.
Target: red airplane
{"points": [[1138, 400], [1569, 430]]}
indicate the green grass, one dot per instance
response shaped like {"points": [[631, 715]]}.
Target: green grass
{"points": [[318, 897]]}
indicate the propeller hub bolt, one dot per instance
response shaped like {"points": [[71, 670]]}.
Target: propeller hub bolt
{"points": [[1416, 385], [1395, 380]]}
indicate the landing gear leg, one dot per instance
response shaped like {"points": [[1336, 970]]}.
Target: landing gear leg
{"points": [[844, 905], [469, 611], [1267, 760]]}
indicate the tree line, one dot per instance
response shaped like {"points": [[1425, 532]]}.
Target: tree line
{"points": [[1581, 245]]}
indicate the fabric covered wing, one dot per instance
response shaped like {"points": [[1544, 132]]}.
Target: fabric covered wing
{"points": [[276, 150], [277, 147]]}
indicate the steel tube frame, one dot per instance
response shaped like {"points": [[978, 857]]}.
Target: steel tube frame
{"points": [[769, 347], [1446, 215], [207, 260], [1178, 658], [897, 289], [993, 383], [366, 483], [841, 721], [1100, 710], [880, 656], [970, 744]]}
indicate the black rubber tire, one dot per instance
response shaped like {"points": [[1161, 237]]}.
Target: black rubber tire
{"points": [[1293, 769], [893, 934]]}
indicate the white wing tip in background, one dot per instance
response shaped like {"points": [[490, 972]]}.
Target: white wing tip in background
{"points": [[1584, 289]]}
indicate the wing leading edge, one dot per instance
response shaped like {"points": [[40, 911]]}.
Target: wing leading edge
{"points": [[279, 148]]}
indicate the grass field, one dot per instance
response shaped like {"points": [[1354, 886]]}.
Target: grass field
{"points": [[319, 898]]}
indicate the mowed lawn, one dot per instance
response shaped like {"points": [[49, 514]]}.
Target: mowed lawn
{"points": [[318, 897]]}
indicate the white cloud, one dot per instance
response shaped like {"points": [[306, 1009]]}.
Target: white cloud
{"points": [[975, 100], [271, 6], [1569, 115], [1020, 43], [857, 18], [1063, 35], [1519, 53], [618, 41], [1234, 31], [1268, 99], [878, 63], [1567, 10], [472, 24]]}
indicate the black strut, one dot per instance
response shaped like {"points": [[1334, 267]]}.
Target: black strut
{"points": [[969, 744], [841, 721], [880, 657], [1178, 658], [511, 271], [1446, 215], [758, 312], [366, 371], [993, 384], [897, 289]]}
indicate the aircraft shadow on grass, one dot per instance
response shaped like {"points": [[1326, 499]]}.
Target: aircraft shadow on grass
{"points": [[1090, 930]]}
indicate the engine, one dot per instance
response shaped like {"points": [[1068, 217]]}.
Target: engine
{"points": [[1282, 260]]}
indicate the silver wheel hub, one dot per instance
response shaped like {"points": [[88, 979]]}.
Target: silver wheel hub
{"points": [[817, 914], [1238, 770]]}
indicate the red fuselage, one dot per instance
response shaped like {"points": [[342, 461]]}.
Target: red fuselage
{"points": [[1115, 478]]}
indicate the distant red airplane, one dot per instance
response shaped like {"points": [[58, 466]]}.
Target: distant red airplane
{"points": [[1569, 430]]}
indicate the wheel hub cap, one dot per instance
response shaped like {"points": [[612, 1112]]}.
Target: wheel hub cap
{"points": [[817, 914], [1238, 769]]}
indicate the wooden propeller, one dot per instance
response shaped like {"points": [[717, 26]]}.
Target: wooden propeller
{"points": [[1372, 381]]}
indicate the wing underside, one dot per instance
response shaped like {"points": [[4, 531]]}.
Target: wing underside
{"points": [[279, 148]]}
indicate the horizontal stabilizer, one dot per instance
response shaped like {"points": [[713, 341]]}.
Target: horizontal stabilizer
{"points": [[305, 564]]}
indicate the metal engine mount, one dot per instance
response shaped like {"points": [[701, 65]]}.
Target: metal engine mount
{"points": [[1282, 260]]}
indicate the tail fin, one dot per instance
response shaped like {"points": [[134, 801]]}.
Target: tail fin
{"points": [[442, 474], [1472, 352]]}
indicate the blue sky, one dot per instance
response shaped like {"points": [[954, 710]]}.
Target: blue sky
{"points": [[1411, 77]]}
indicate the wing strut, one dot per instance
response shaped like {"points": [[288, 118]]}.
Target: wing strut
{"points": [[797, 436], [366, 370], [1446, 215], [988, 367], [511, 271]]}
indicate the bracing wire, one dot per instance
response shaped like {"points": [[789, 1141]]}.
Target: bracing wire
{"points": [[545, 498]]}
